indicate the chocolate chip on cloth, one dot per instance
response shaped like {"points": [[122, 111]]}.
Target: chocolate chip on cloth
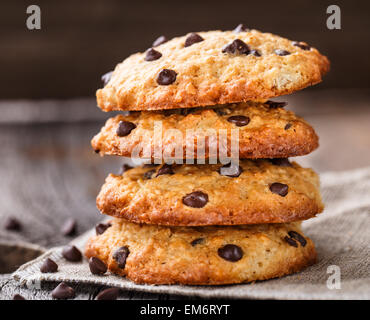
{"points": [[12, 224], [166, 77], [192, 38], [108, 294], [97, 266], [125, 128], [69, 228], [63, 291], [18, 297], [49, 266], [71, 253], [171, 255], [198, 194]]}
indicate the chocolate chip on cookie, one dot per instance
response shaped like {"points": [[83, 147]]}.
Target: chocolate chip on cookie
{"points": [[239, 121], [100, 228], [165, 169], [279, 188], [193, 38], [282, 162], [237, 47], [71, 253], [281, 52], [291, 241], [301, 45], [160, 40], [49, 266], [125, 128], [287, 126], [233, 171], [256, 53], [240, 28], [148, 175], [166, 77], [197, 241], [97, 266], [230, 252], [106, 77], [296, 236], [152, 55], [120, 255], [196, 199], [275, 104]]}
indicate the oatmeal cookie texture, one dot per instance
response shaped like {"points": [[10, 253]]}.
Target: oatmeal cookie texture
{"points": [[224, 255], [264, 132], [224, 67], [259, 191]]}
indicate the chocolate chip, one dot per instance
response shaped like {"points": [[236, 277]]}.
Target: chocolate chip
{"points": [[220, 111], [71, 253], [196, 199], [18, 297], [152, 55], [100, 228], [240, 28], [97, 266], [165, 169], [230, 252], [125, 128], [49, 266], [275, 104], [197, 241], [279, 188], [63, 291], [239, 121], [96, 150], [148, 175], [256, 53], [106, 77], [301, 45], [120, 255], [124, 168], [281, 52], [13, 224], [296, 236], [166, 77], [291, 241], [282, 162], [69, 227], [160, 40], [237, 47], [287, 126], [232, 171], [108, 294], [192, 38]]}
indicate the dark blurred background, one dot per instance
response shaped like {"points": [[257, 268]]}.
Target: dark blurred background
{"points": [[80, 40]]}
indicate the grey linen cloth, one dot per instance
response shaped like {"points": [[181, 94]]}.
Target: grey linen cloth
{"points": [[341, 235]]}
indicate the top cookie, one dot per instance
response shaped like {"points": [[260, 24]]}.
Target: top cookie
{"points": [[209, 68]]}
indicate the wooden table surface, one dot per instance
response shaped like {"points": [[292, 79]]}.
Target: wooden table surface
{"points": [[49, 172]]}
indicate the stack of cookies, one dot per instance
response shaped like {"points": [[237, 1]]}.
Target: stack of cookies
{"points": [[190, 216]]}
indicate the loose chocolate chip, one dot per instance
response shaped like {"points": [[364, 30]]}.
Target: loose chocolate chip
{"points": [[100, 228], [193, 38], [230, 252], [148, 175], [275, 104], [97, 266], [125, 128], [120, 255], [196, 199], [291, 241], [279, 188], [166, 77], [71, 253], [301, 45], [232, 171], [124, 168], [18, 297], [287, 126], [160, 40], [281, 52], [256, 53], [240, 28], [106, 77], [63, 291], [236, 47], [165, 169], [295, 235], [152, 55], [49, 266], [239, 121], [13, 224], [282, 162], [108, 294], [97, 150], [197, 241], [69, 227]]}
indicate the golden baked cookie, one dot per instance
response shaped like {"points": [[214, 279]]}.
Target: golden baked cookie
{"points": [[209, 68], [202, 255], [259, 191], [265, 131]]}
